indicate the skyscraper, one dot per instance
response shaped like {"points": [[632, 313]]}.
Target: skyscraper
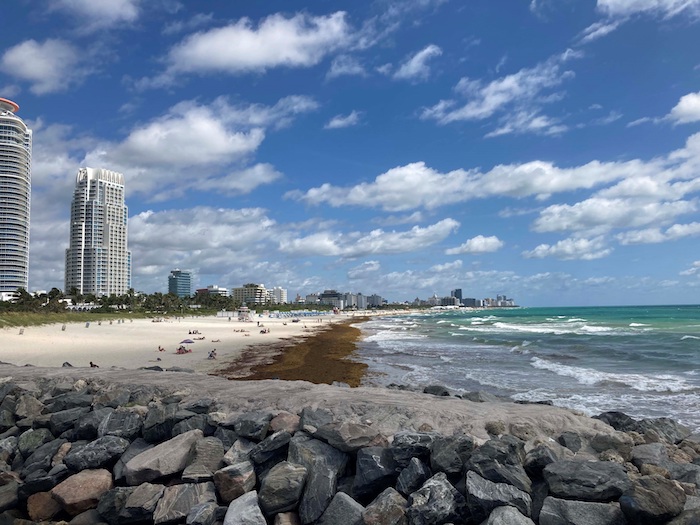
{"points": [[97, 259], [180, 283], [15, 192]]}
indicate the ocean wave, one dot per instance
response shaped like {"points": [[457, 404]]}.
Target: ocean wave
{"points": [[589, 376], [689, 337], [392, 335], [636, 325]]}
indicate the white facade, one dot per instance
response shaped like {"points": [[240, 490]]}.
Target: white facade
{"points": [[251, 294], [15, 193], [97, 259], [278, 295]]}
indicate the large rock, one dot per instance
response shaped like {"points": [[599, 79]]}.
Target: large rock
{"points": [[64, 420], [501, 461], [177, 501], [666, 428], [141, 503], [449, 454], [28, 406], [586, 480], [238, 451], [652, 499], [42, 507], [407, 445], [86, 427], [83, 490], [169, 457], [112, 502], [207, 458], [30, 440], [324, 465], [389, 508], [342, 509], [137, 446], [159, 422], [688, 517], [101, 453], [483, 496], [567, 512], [618, 441], [271, 449], [253, 425], [235, 480], [413, 476], [281, 489], [203, 514], [375, 470], [437, 501], [347, 436], [121, 423], [68, 401], [650, 454], [41, 458], [9, 495], [507, 516], [245, 511]]}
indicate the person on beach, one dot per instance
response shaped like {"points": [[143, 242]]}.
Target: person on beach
{"points": [[93, 365]]}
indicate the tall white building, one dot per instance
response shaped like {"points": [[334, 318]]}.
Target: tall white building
{"points": [[278, 295], [97, 260], [15, 193]]}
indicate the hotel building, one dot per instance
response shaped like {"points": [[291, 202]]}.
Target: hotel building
{"points": [[97, 259], [15, 193], [180, 283]]}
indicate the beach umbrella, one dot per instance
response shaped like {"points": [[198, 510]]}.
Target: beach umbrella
{"points": [[187, 342]]}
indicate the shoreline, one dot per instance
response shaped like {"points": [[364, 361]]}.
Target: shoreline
{"points": [[324, 356]]}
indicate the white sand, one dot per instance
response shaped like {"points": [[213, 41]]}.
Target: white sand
{"points": [[134, 343]]}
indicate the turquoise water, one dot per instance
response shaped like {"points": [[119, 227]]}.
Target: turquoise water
{"points": [[642, 360]]}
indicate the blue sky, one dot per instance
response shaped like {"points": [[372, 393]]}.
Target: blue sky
{"points": [[548, 150]]}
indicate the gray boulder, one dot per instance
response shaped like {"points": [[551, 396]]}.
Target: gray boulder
{"points": [[178, 500], [600, 481], [449, 454], [159, 422], [207, 457], [167, 458], [649, 454], [389, 508], [437, 501], [507, 516], [121, 423], [437, 390], [30, 440], [64, 420], [315, 418], [112, 502], [245, 511], [375, 470], [688, 517], [407, 445], [501, 461], [41, 458], [281, 489], [202, 514], [235, 480], [238, 451], [273, 448], [200, 421], [86, 427], [347, 436], [412, 477], [252, 425], [570, 440], [69, 401], [9, 495], [567, 512], [483, 496], [140, 503], [652, 499], [135, 448], [103, 452], [342, 509], [324, 465]]}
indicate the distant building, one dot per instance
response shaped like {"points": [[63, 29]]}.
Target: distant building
{"points": [[15, 185], [213, 289], [457, 292], [470, 302], [449, 301], [375, 300], [97, 259], [278, 295], [180, 283], [312, 298], [251, 294]]}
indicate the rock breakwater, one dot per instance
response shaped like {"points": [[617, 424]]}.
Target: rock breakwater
{"points": [[86, 447]]}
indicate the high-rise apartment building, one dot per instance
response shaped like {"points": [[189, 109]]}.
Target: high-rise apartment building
{"points": [[97, 259], [180, 283], [15, 192]]}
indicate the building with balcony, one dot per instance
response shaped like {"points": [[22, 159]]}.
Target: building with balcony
{"points": [[15, 193], [97, 259]]}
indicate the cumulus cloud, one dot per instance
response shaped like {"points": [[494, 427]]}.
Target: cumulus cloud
{"points": [[657, 235], [516, 99], [477, 245], [50, 66], [687, 110], [693, 270], [243, 47], [91, 15], [572, 248], [416, 67], [344, 121], [345, 65], [357, 244], [363, 270]]}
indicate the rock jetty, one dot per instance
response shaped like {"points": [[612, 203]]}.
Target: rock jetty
{"points": [[135, 447]]}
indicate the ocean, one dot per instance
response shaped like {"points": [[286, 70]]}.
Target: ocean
{"points": [[641, 360]]}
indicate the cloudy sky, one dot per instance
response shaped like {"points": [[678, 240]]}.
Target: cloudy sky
{"points": [[548, 150]]}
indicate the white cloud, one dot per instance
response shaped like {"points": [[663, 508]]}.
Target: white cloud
{"points": [[514, 97], [364, 270], [416, 67], [600, 214], [277, 41], [478, 244], [663, 8], [570, 249], [598, 30], [180, 26], [447, 267], [49, 67], [356, 244], [344, 121], [345, 65], [693, 270], [687, 110], [656, 235], [92, 15]]}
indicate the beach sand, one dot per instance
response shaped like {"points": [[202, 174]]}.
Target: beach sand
{"points": [[134, 343]]}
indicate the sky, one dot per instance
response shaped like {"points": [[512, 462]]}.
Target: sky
{"points": [[547, 150]]}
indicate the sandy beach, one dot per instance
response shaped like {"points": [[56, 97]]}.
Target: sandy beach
{"points": [[133, 344]]}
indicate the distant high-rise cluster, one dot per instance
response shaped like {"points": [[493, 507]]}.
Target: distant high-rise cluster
{"points": [[97, 260], [15, 192]]}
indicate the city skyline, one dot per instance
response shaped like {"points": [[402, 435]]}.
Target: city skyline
{"points": [[549, 150]]}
